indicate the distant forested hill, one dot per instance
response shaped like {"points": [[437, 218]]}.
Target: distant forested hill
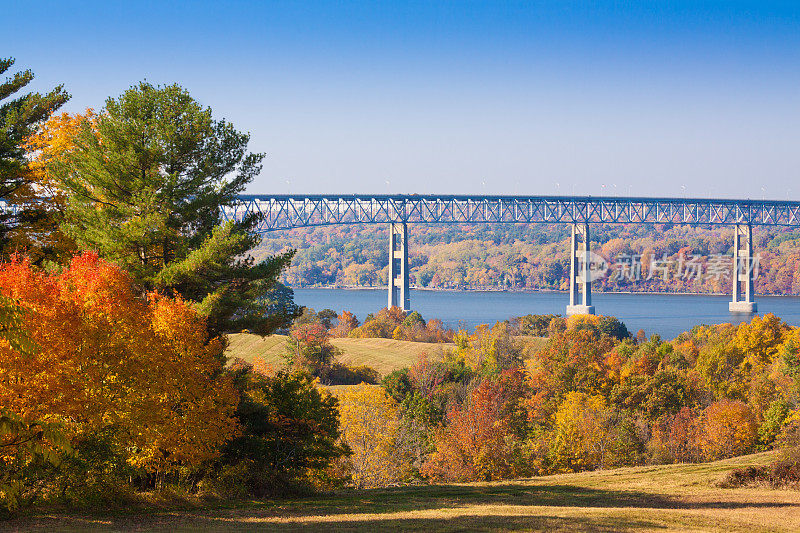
{"points": [[663, 257]]}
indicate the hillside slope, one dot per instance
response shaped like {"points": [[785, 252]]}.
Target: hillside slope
{"points": [[656, 498], [531, 256], [384, 355]]}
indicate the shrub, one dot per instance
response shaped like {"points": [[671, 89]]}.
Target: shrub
{"points": [[29, 453], [785, 472], [341, 374], [290, 430]]}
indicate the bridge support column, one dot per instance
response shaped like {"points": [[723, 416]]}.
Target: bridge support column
{"points": [[398, 266], [579, 280], [743, 266]]}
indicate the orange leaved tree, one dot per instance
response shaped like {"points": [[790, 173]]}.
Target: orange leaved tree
{"points": [[105, 361], [730, 430], [484, 440]]}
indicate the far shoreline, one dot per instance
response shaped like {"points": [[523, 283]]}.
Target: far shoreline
{"points": [[537, 291]]}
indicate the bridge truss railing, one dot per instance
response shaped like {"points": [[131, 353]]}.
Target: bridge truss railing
{"points": [[290, 211]]}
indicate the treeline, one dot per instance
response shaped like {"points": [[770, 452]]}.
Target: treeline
{"points": [[670, 258], [505, 402], [591, 397], [309, 349]]}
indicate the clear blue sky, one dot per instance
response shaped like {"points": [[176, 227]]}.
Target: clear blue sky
{"points": [[646, 98]]}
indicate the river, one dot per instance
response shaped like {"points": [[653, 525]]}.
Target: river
{"points": [[664, 314]]}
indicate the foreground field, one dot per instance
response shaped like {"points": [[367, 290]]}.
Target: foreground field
{"points": [[384, 355], [659, 498]]}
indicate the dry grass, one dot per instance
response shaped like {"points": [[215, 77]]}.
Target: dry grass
{"points": [[248, 346], [659, 498], [384, 355]]}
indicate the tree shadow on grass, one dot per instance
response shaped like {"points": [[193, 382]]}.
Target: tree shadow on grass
{"points": [[403, 499], [472, 523], [362, 510], [627, 520]]}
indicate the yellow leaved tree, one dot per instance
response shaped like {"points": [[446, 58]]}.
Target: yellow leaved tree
{"points": [[581, 433], [729, 430], [40, 237], [370, 427]]}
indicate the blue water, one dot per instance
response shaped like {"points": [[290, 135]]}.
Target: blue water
{"points": [[664, 314]]}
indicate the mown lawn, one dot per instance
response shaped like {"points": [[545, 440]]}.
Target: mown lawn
{"points": [[658, 498], [384, 355]]}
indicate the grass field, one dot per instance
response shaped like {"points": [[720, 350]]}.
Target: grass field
{"points": [[657, 498], [384, 355]]}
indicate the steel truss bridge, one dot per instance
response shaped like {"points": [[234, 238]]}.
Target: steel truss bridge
{"points": [[280, 212]]}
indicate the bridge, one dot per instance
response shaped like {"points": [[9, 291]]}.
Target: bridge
{"points": [[281, 212]]}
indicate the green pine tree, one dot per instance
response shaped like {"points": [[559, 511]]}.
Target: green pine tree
{"points": [[18, 118], [146, 183]]}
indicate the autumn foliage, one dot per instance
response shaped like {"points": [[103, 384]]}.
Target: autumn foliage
{"points": [[370, 427], [107, 361], [309, 347], [729, 430], [591, 396], [394, 323], [580, 432], [535, 257], [90, 362], [483, 436], [48, 146]]}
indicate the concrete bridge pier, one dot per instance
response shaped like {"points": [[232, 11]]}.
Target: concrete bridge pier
{"points": [[398, 266], [580, 282], [743, 266]]}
